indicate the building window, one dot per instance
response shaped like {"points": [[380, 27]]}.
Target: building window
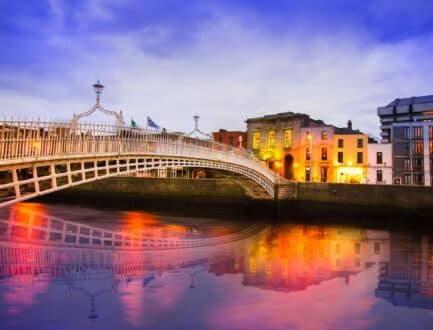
{"points": [[357, 262], [418, 148], [376, 248], [430, 130], [256, 140], [406, 149], [307, 153], [324, 135], [337, 248], [340, 143], [418, 179], [231, 140], [357, 248], [288, 138], [406, 133], [271, 139], [417, 133], [324, 154], [340, 157], [379, 176], [379, 157], [308, 174], [323, 174], [360, 157], [360, 143], [406, 163], [406, 179], [220, 139], [431, 148]]}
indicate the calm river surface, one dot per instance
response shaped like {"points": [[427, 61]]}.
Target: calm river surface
{"points": [[64, 267]]}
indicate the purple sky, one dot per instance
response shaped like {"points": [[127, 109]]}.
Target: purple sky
{"points": [[225, 60]]}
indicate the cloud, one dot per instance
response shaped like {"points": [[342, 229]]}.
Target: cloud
{"points": [[225, 65]]}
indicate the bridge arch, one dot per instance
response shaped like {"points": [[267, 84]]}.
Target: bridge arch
{"points": [[37, 159]]}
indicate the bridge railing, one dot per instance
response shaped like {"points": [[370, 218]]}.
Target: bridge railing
{"points": [[36, 139]]}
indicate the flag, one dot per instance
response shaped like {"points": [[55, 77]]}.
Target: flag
{"points": [[133, 123], [152, 124]]}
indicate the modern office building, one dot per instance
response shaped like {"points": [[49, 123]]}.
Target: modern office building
{"points": [[407, 124]]}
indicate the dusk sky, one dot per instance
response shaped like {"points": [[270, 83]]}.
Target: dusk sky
{"points": [[225, 60]]}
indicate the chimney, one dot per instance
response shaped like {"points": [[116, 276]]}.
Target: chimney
{"points": [[349, 124]]}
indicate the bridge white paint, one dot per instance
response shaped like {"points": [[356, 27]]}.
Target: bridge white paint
{"points": [[37, 158]]}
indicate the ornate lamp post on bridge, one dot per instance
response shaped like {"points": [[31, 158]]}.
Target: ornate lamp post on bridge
{"points": [[98, 87]]}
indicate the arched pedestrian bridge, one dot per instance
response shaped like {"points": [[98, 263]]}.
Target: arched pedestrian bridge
{"points": [[38, 158]]}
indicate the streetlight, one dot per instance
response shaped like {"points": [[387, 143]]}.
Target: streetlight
{"points": [[98, 87]]}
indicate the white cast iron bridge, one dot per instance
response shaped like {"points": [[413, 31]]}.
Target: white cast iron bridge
{"points": [[38, 158]]}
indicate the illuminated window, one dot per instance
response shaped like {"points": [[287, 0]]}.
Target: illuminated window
{"points": [[324, 154], [253, 265], [288, 138], [307, 154], [417, 132], [418, 148], [256, 140], [324, 135], [271, 139]]}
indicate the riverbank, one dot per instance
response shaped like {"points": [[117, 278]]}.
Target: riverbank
{"points": [[225, 198]]}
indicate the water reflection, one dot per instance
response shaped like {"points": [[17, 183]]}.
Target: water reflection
{"points": [[149, 274]]}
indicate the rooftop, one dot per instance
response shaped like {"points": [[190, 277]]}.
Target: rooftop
{"points": [[283, 115], [412, 100]]}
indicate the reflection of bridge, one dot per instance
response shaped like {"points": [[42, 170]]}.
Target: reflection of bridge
{"points": [[26, 225], [38, 158], [35, 246]]}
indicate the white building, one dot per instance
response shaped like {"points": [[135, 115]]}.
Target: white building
{"points": [[380, 163]]}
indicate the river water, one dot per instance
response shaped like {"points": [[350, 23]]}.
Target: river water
{"points": [[64, 267]]}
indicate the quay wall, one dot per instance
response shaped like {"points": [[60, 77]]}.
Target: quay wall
{"points": [[398, 196], [226, 198]]}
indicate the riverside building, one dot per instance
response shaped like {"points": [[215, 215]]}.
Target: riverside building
{"points": [[407, 124], [304, 149]]}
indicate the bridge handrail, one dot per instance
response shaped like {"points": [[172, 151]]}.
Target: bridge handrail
{"points": [[30, 139]]}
